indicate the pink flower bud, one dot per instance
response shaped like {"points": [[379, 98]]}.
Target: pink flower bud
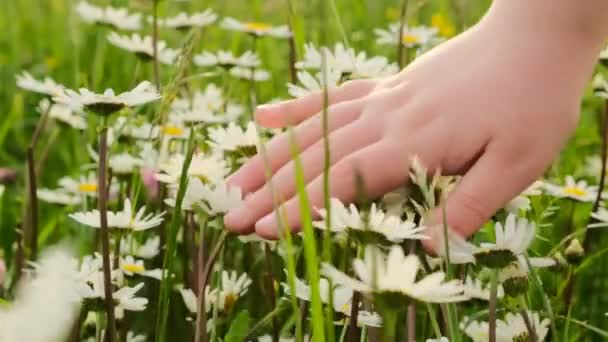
{"points": [[148, 176]]}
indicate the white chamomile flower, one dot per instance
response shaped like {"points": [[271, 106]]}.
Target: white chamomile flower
{"points": [[601, 217], [124, 163], [512, 241], [125, 219], [578, 191], [420, 36], [210, 168], [210, 99], [84, 185], [522, 201], [131, 337], [147, 250], [511, 328], [191, 302], [309, 83], [143, 47], [346, 62], [108, 102], [58, 197], [397, 274], [233, 138], [232, 287], [119, 18], [183, 21], [127, 301], [256, 28], [227, 59], [350, 220], [249, 74], [136, 130], [46, 87], [46, 305], [221, 198], [474, 288], [63, 114], [129, 266]]}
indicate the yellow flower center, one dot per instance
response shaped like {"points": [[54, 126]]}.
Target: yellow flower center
{"points": [[87, 187], [229, 301], [443, 25], [133, 268], [574, 191], [255, 26], [346, 308], [173, 131], [410, 39]]}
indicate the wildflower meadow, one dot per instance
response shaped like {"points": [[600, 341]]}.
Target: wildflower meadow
{"points": [[121, 122]]}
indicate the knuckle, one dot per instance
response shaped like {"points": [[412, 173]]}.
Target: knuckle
{"points": [[472, 212]]}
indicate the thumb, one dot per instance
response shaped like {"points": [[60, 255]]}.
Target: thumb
{"points": [[490, 184]]}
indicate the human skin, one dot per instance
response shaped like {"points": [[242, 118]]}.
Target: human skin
{"points": [[494, 104]]}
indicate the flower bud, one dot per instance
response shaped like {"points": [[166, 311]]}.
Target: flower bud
{"points": [[574, 252]]}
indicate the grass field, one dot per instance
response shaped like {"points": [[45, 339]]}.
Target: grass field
{"points": [[276, 288]]}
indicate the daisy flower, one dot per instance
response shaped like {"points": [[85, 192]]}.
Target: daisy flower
{"points": [[58, 197], [208, 168], [474, 288], [63, 114], [124, 164], [143, 47], [117, 17], [191, 302], [84, 185], [221, 198], [129, 266], [125, 219], [233, 138], [420, 36], [248, 74], [136, 130], [147, 250], [183, 21], [397, 274], [127, 301], [578, 191], [210, 99], [108, 102], [511, 328], [227, 60], [522, 201], [46, 87], [232, 287], [367, 226], [255, 28], [310, 83]]}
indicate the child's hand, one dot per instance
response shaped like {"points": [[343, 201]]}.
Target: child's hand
{"points": [[495, 104]]}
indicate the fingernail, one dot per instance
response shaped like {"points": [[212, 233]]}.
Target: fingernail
{"points": [[267, 107]]}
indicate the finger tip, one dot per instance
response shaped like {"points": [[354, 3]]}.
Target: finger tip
{"points": [[266, 227], [237, 223]]}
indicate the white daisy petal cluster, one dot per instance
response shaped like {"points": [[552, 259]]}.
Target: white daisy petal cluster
{"points": [[215, 199], [227, 59], [572, 189], [125, 219], [249, 74], [108, 102], [232, 286], [351, 220], [143, 47], [63, 114], [346, 62], [233, 138], [186, 21], [511, 328], [309, 83], [210, 168], [419, 36], [71, 191], [130, 266], [397, 274], [256, 28], [474, 288], [46, 87], [119, 18]]}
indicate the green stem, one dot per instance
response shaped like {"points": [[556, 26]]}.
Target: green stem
{"points": [[492, 307]]}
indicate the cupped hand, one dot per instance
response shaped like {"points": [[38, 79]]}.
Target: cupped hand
{"points": [[492, 104]]}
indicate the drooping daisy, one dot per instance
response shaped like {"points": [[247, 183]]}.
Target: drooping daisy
{"points": [[310, 83], [143, 47], [46, 87], [578, 191], [210, 99], [208, 168], [474, 288], [511, 328], [420, 36], [397, 275], [233, 138], [127, 301], [601, 216], [63, 114], [227, 60], [191, 302], [232, 287], [135, 129], [118, 18], [183, 21], [220, 198], [147, 250], [370, 225], [108, 103], [249, 74], [125, 219], [256, 28], [124, 164]]}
